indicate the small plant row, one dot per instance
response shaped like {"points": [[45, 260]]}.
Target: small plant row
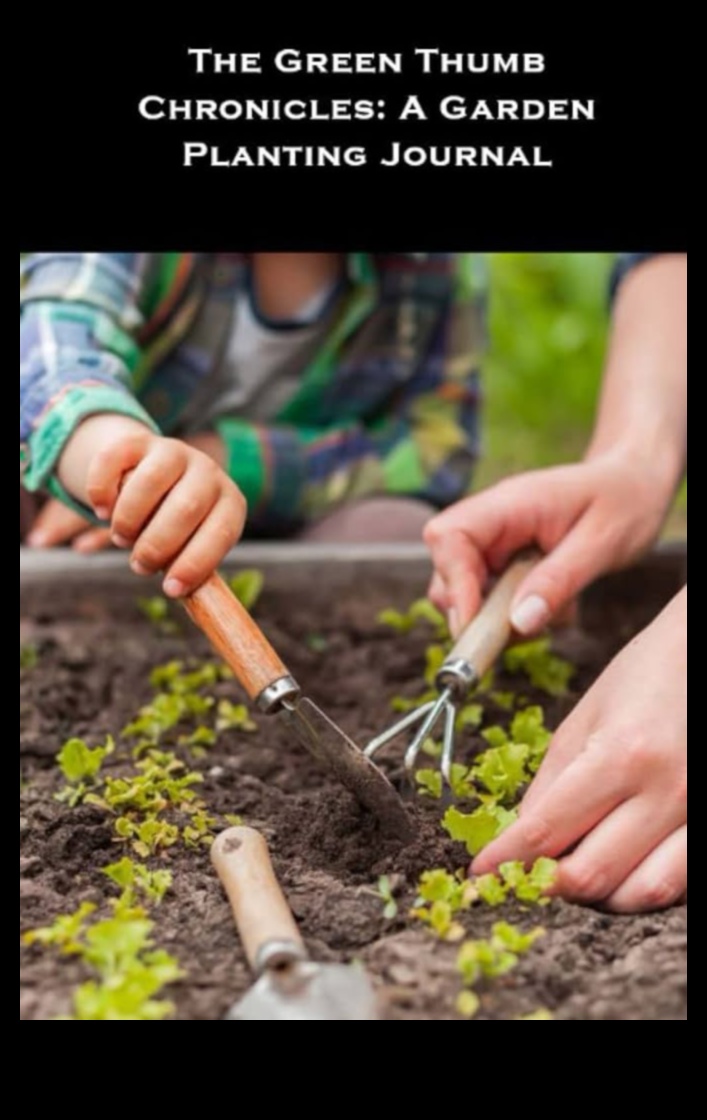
{"points": [[154, 807], [129, 972]]}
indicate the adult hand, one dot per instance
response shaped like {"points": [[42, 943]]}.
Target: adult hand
{"points": [[590, 518], [611, 799]]}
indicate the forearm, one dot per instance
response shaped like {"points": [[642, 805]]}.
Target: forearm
{"points": [[643, 411]]}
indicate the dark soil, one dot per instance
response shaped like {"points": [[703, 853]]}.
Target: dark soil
{"points": [[96, 653]]}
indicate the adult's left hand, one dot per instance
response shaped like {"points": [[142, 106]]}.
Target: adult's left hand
{"points": [[610, 801]]}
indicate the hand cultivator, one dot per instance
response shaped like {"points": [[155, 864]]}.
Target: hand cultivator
{"points": [[474, 654]]}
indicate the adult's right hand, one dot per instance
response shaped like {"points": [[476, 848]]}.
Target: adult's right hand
{"points": [[589, 518]]}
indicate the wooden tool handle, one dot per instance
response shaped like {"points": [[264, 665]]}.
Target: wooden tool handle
{"points": [[485, 639], [236, 637], [243, 863]]}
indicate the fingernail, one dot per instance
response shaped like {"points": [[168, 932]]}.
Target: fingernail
{"points": [[454, 624], [531, 615], [102, 513], [140, 569], [120, 542], [174, 588], [36, 540]]}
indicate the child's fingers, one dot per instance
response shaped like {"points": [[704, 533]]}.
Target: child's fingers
{"points": [[202, 556], [95, 540], [108, 468], [145, 489], [176, 521], [55, 524]]}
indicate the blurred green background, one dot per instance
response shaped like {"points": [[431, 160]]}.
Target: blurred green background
{"points": [[549, 327]]}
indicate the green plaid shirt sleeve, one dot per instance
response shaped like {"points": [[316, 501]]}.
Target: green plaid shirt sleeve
{"points": [[389, 406]]}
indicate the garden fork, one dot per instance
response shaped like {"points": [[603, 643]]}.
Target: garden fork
{"points": [[474, 654]]}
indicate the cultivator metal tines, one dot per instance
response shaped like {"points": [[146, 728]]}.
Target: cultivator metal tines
{"points": [[472, 657]]}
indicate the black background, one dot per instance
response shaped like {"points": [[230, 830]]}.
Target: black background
{"points": [[94, 176]]}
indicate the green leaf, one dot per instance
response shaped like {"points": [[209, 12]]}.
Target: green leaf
{"points": [[529, 727], [514, 939], [504, 700], [430, 783], [468, 1005], [233, 821], [438, 886], [543, 668], [491, 890], [396, 621], [248, 586], [435, 658], [234, 717], [543, 1013], [66, 933], [157, 611], [495, 736], [29, 658], [470, 718], [79, 763], [385, 891], [504, 770], [477, 830]]}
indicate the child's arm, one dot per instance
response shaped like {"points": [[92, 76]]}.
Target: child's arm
{"points": [[603, 513]]}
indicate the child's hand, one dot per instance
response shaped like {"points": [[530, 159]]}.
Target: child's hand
{"points": [[177, 511], [56, 524], [590, 518], [611, 797]]}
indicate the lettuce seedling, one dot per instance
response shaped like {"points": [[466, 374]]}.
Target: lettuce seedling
{"points": [[431, 783], [199, 831], [543, 1013], [134, 879], [470, 718], [544, 669], [234, 717], [478, 829], [441, 898], [147, 837], [496, 957], [157, 612], [67, 932], [506, 701], [503, 771], [386, 894], [532, 886], [248, 586], [404, 704], [529, 727], [491, 890], [81, 766], [29, 658], [421, 612], [468, 1005]]}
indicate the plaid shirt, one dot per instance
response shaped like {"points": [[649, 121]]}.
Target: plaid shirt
{"points": [[389, 404]]}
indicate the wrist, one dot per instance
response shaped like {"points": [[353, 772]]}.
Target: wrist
{"points": [[92, 435], [656, 468]]}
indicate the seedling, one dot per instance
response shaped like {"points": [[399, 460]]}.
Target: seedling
{"points": [[544, 669], [496, 957], [147, 837], [441, 898], [157, 612], [67, 932], [134, 880], [421, 612], [477, 830], [199, 831], [531, 887], [385, 892], [431, 784], [81, 766], [234, 717], [29, 658], [468, 1005], [248, 587]]}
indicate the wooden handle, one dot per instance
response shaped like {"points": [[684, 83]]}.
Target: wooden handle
{"points": [[485, 639], [235, 636], [243, 863]]}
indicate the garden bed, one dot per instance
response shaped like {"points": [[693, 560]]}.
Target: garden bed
{"points": [[95, 653]]}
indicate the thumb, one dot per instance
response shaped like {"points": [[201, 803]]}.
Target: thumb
{"points": [[560, 578]]}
